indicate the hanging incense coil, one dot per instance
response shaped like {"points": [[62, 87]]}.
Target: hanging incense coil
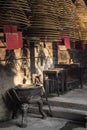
{"points": [[81, 11], [68, 19], [44, 23], [14, 13], [11, 4]]}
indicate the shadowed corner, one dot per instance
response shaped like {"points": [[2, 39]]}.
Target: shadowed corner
{"points": [[70, 125], [8, 124], [6, 81]]}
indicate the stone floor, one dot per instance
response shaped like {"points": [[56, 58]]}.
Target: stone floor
{"points": [[75, 96], [34, 122]]}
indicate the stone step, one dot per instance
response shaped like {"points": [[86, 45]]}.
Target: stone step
{"points": [[78, 104], [71, 105], [61, 112], [66, 104]]}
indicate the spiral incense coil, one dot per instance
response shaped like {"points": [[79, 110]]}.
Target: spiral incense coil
{"points": [[44, 23], [46, 19], [18, 3], [14, 12], [68, 19], [81, 10]]}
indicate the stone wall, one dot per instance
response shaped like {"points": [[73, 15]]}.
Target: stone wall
{"points": [[11, 74], [6, 82]]}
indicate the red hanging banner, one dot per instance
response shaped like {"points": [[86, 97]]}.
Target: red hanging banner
{"points": [[67, 42], [14, 40], [13, 37], [11, 41]]}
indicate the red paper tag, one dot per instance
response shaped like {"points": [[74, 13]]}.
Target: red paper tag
{"points": [[12, 41]]}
